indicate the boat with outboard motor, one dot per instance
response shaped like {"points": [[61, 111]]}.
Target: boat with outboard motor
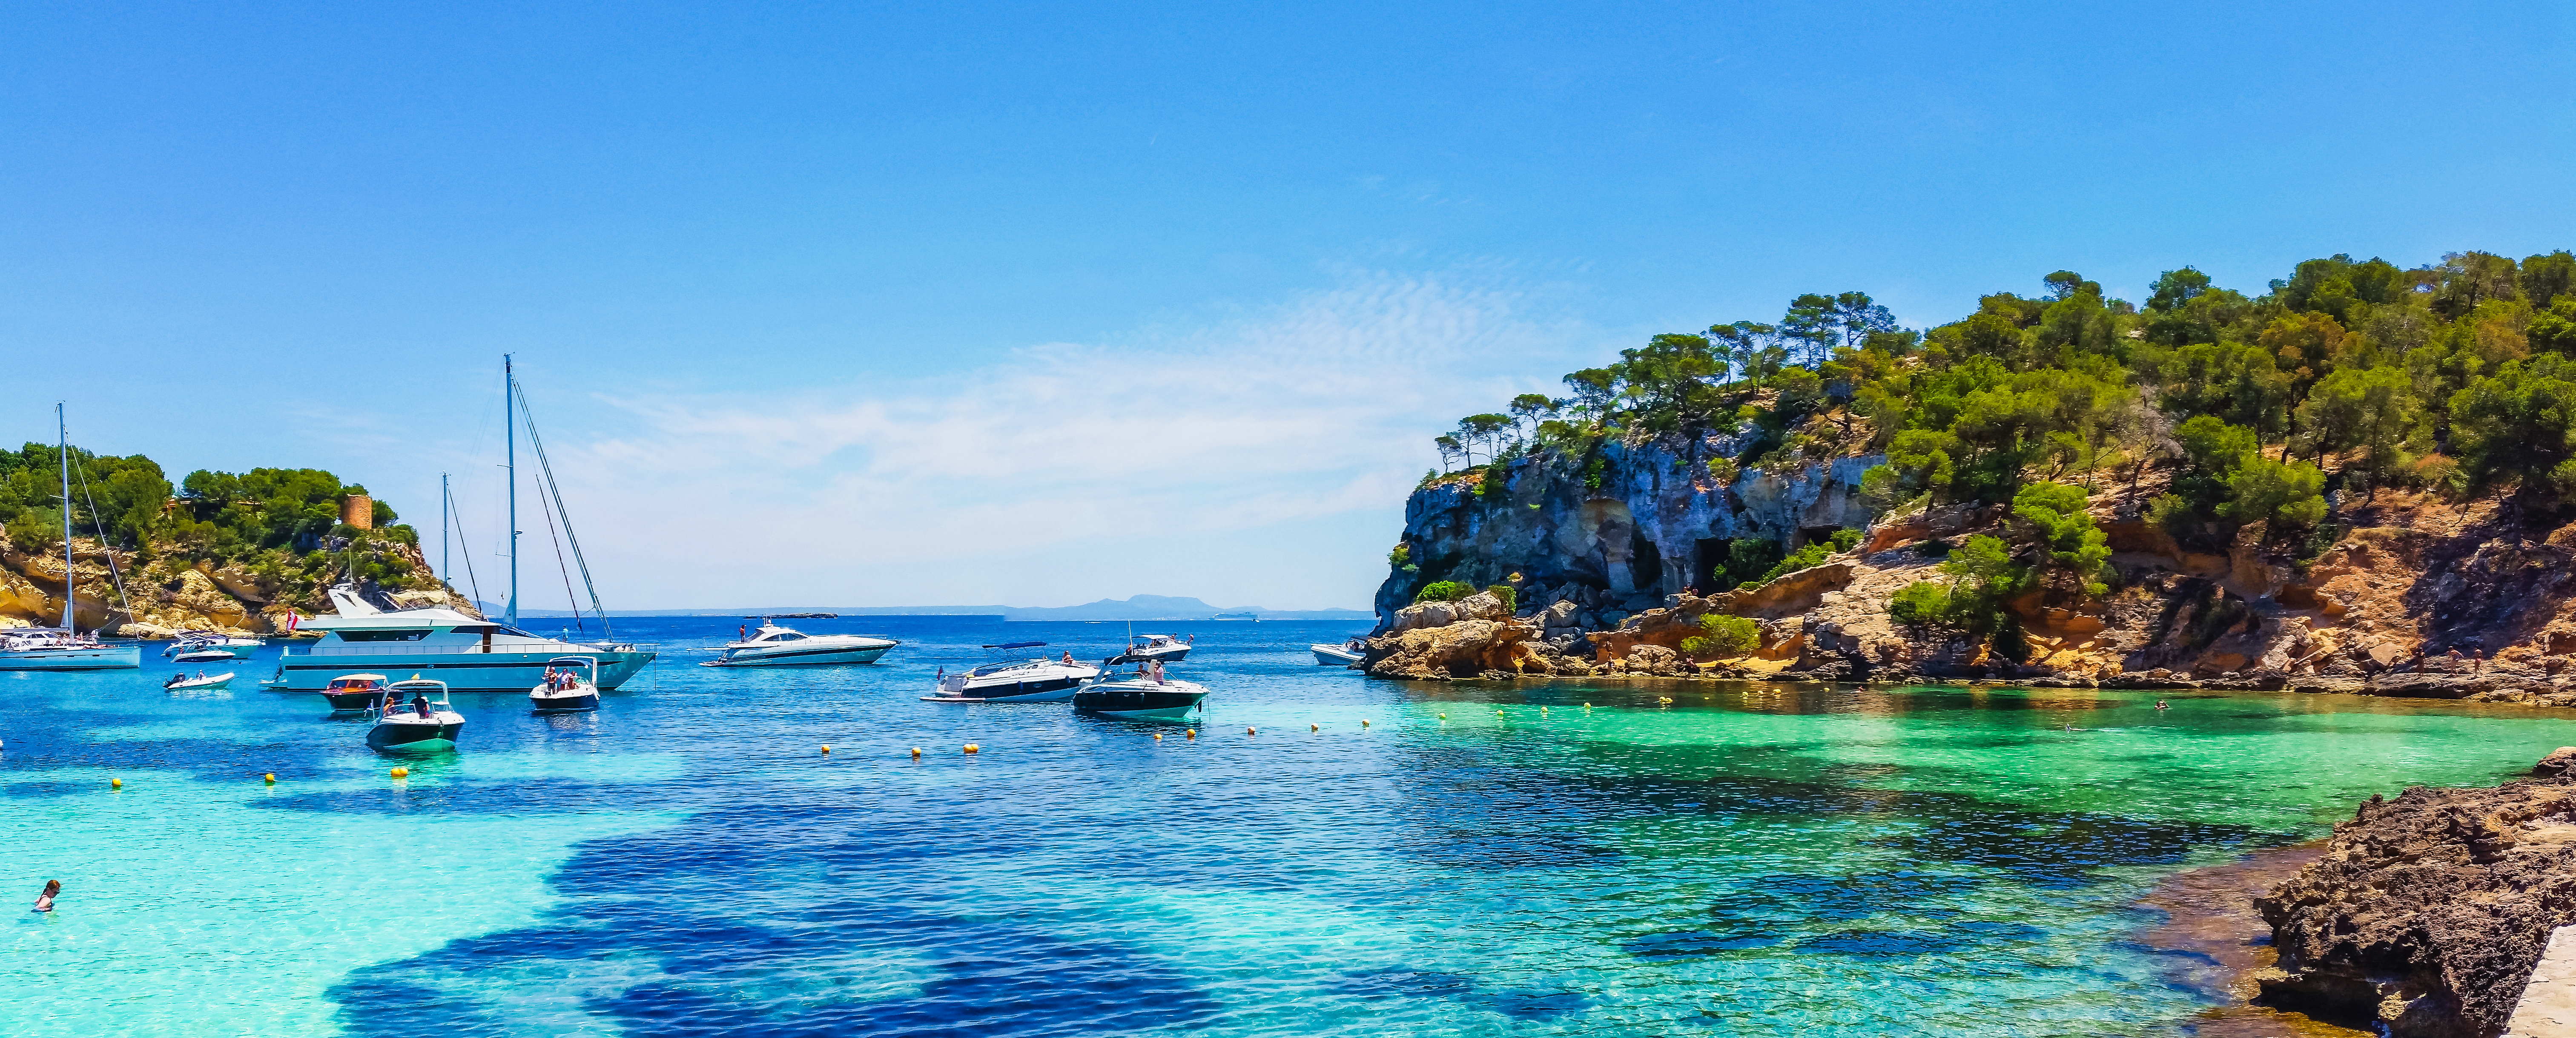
{"points": [[1145, 695], [1039, 680], [423, 721], [572, 683], [354, 691], [775, 646], [181, 682], [1342, 655], [209, 647], [1169, 648]]}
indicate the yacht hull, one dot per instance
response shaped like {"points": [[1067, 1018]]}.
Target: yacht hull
{"points": [[462, 671], [801, 658], [1051, 691], [564, 704], [109, 657]]}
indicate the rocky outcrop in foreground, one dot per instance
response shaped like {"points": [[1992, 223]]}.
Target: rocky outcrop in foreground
{"points": [[2427, 913]]}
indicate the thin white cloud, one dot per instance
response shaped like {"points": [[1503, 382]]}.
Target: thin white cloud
{"points": [[1316, 407]]}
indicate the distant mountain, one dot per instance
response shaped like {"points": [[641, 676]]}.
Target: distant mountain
{"points": [[1140, 607]]}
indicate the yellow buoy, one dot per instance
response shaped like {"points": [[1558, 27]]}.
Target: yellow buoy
{"points": [[827, 751], [271, 777], [1364, 722], [116, 783], [1587, 706], [971, 747], [1252, 731], [1314, 727], [402, 772], [1444, 717], [916, 753], [1158, 736], [1191, 733]]}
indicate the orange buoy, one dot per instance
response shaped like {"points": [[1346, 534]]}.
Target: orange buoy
{"points": [[1252, 731], [1314, 727], [1363, 722]]}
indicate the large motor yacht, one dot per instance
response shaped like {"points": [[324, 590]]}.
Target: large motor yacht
{"points": [[775, 646], [1034, 681], [468, 654]]}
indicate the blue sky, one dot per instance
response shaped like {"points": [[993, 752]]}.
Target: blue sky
{"points": [[896, 304]]}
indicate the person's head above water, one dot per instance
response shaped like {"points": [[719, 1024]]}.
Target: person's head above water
{"points": [[53, 887]]}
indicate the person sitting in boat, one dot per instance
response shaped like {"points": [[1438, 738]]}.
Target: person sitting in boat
{"points": [[1068, 657], [420, 703], [1154, 671]]}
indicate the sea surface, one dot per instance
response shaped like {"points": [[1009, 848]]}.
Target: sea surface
{"points": [[1380, 858]]}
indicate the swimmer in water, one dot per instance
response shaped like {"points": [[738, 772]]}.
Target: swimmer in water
{"points": [[45, 901], [2160, 704]]}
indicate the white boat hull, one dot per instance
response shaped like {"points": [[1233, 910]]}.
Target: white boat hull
{"points": [[200, 684], [1335, 656], [805, 658], [104, 657]]}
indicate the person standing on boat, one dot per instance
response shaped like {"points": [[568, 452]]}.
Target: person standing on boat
{"points": [[420, 703], [1154, 670]]}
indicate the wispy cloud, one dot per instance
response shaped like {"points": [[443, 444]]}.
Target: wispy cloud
{"points": [[1315, 407]]}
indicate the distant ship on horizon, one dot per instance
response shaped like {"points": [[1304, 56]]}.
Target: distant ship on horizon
{"points": [[1254, 617]]}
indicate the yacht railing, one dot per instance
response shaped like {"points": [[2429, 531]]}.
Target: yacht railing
{"points": [[474, 649]]}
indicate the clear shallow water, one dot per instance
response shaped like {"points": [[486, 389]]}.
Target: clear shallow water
{"points": [[1746, 860]]}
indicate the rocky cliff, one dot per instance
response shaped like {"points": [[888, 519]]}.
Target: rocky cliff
{"points": [[163, 593], [2406, 595]]}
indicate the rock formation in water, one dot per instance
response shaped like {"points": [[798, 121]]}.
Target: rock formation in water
{"points": [[2426, 913]]}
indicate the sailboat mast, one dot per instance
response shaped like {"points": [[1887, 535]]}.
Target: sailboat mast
{"points": [[63, 436], [509, 430], [442, 527]]}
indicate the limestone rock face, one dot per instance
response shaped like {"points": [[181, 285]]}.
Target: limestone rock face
{"points": [[1479, 606], [2429, 911], [1463, 649]]}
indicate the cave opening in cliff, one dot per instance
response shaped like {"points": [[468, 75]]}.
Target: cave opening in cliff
{"points": [[1708, 563], [1645, 564]]}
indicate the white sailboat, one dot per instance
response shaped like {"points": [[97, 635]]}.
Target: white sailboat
{"points": [[64, 648], [465, 653]]}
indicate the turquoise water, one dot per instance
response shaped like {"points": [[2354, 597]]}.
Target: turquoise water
{"points": [[1751, 860]]}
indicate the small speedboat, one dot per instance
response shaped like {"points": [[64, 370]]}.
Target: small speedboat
{"points": [[355, 691], [775, 646], [209, 647], [1141, 696], [181, 682], [1169, 648], [415, 716], [572, 683], [1343, 655], [1032, 681]]}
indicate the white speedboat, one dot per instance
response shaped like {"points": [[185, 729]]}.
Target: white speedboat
{"points": [[1169, 648], [469, 653], [1343, 655], [209, 647], [416, 716], [181, 682], [775, 646], [1142, 696], [573, 684], [28, 648], [1033, 681]]}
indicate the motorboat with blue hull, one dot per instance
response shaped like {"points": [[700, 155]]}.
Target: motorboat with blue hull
{"points": [[571, 685], [1030, 681], [415, 717], [470, 654], [775, 646]]}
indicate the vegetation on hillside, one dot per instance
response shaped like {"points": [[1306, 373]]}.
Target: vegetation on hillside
{"points": [[2344, 377], [280, 525]]}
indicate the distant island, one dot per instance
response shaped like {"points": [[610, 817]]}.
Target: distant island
{"points": [[1139, 607]]}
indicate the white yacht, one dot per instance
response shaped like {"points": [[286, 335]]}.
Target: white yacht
{"points": [[1032, 681], [775, 646], [1342, 655], [1145, 695], [1169, 648], [468, 654], [64, 648]]}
